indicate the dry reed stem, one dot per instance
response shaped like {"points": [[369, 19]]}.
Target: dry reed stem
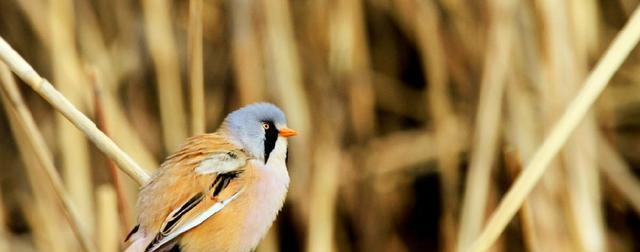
{"points": [[522, 132], [619, 173], [162, 46], [350, 62], [323, 196], [595, 83], [585, 20], [285, 76], [246, 52], [399, 151], [93, 48], [129, 140], [68, 76], [115, 60], [486, 134], [4, 233], [434, 60], [513, 164], [108, 228], [566, 64], [38, 19], [196, 77], [41, 86], [113, 169], [465, 26], [543, 219], [20, 115], [46, 231], [122, 131], [584, 188]]}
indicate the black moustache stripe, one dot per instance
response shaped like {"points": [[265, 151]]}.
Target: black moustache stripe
{"points": [[271, 136]]}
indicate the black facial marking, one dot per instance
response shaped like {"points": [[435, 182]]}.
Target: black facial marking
{"points": [[270, 138], [222, 181]]}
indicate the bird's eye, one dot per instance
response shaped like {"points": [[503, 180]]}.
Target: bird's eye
{"points": [[265, 125]]}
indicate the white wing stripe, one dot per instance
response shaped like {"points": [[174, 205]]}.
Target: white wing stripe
{"points": [[197, 220], [221, 162]]}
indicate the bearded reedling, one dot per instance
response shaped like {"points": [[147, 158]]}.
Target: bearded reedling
{"points": [[220, 191]]}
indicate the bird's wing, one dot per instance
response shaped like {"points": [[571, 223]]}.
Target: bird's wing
{"points": [[171, 230], [221, 162], [194, 183]]}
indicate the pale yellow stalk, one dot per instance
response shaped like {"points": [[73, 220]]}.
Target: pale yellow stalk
{"points": [[19, 66], [595, 83]]}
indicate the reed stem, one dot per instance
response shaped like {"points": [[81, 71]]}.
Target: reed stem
{"points": [[595, 83], [19, 66], [14, 104]]}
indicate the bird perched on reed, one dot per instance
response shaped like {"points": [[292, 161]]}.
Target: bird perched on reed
{"points": [[219, 191]]}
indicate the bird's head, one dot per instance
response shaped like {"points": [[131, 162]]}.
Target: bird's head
{"points": [[261, 129]]}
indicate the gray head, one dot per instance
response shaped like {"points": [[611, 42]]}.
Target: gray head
{"points": [[258, 127]]}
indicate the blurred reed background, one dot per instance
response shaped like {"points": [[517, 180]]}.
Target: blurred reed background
{"points": [[415, 117]]}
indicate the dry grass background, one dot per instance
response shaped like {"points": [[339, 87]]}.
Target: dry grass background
{"points": [[416, 118]]}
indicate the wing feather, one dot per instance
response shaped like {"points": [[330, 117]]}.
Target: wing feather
{"points": [[221, 162], [192, 185], [191, 223]]}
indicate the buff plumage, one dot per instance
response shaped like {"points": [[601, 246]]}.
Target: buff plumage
{"points": [[219, 191]]}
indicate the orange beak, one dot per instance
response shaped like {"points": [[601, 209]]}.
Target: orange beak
{"points": [[287, 132]]}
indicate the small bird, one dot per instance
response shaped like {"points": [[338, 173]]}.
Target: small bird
{"points": [[220, 191]]}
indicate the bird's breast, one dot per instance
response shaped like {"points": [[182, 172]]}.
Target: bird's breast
{"points": [[241, 225], [269, 193]]}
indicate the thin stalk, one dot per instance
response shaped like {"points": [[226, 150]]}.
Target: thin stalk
{"points": [[487, 130], [248, 69], [427, 26], [595, 83], [67, 74], [196, 81], [44, 88], [618, 172], [14, 104], [162, 47], [285, 76], [108, 228], [113, 169], [4, 233]]}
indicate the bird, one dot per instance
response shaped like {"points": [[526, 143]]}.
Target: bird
{"points": [[219, 191]]}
